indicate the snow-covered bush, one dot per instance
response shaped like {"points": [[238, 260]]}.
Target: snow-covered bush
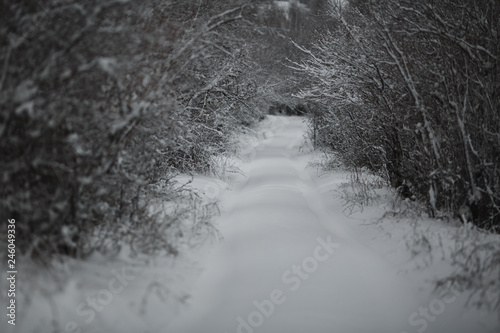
{"points": [[102, 100], [410, 90], [477, 259]]}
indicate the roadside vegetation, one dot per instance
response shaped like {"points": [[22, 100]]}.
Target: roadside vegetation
{"points": [[409, 91], [103, 103]]}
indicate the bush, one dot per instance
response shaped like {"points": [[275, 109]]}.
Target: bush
{"points": [[102, 101], [410, 91]]}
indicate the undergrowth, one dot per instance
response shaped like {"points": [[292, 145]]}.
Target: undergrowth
{"points": [[472, 253]]}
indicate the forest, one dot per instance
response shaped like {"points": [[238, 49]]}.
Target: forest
{"points": [[104, 103]]}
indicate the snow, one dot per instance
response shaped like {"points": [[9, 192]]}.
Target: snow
{"points": [[273, 221], [265, 277], [107, 64], [291, 258], [285, 6], [25, 91]]}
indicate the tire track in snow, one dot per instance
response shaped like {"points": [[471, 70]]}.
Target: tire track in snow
{"points": [[271, 229]]}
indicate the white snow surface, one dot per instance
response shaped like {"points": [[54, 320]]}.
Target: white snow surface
{"points": [[291, 260], [272, 221]]}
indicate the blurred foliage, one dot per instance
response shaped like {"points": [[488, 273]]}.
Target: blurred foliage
{"points": [[102, 99]]}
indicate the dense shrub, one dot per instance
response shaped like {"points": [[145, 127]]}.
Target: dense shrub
{"points": [[410, 91], [103, 100]]}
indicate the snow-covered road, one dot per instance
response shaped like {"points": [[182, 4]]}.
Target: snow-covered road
{"points": [[286, 263], [291, 260]]}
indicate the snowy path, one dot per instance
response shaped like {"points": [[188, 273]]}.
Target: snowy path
{"points": [[285, 264]]}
